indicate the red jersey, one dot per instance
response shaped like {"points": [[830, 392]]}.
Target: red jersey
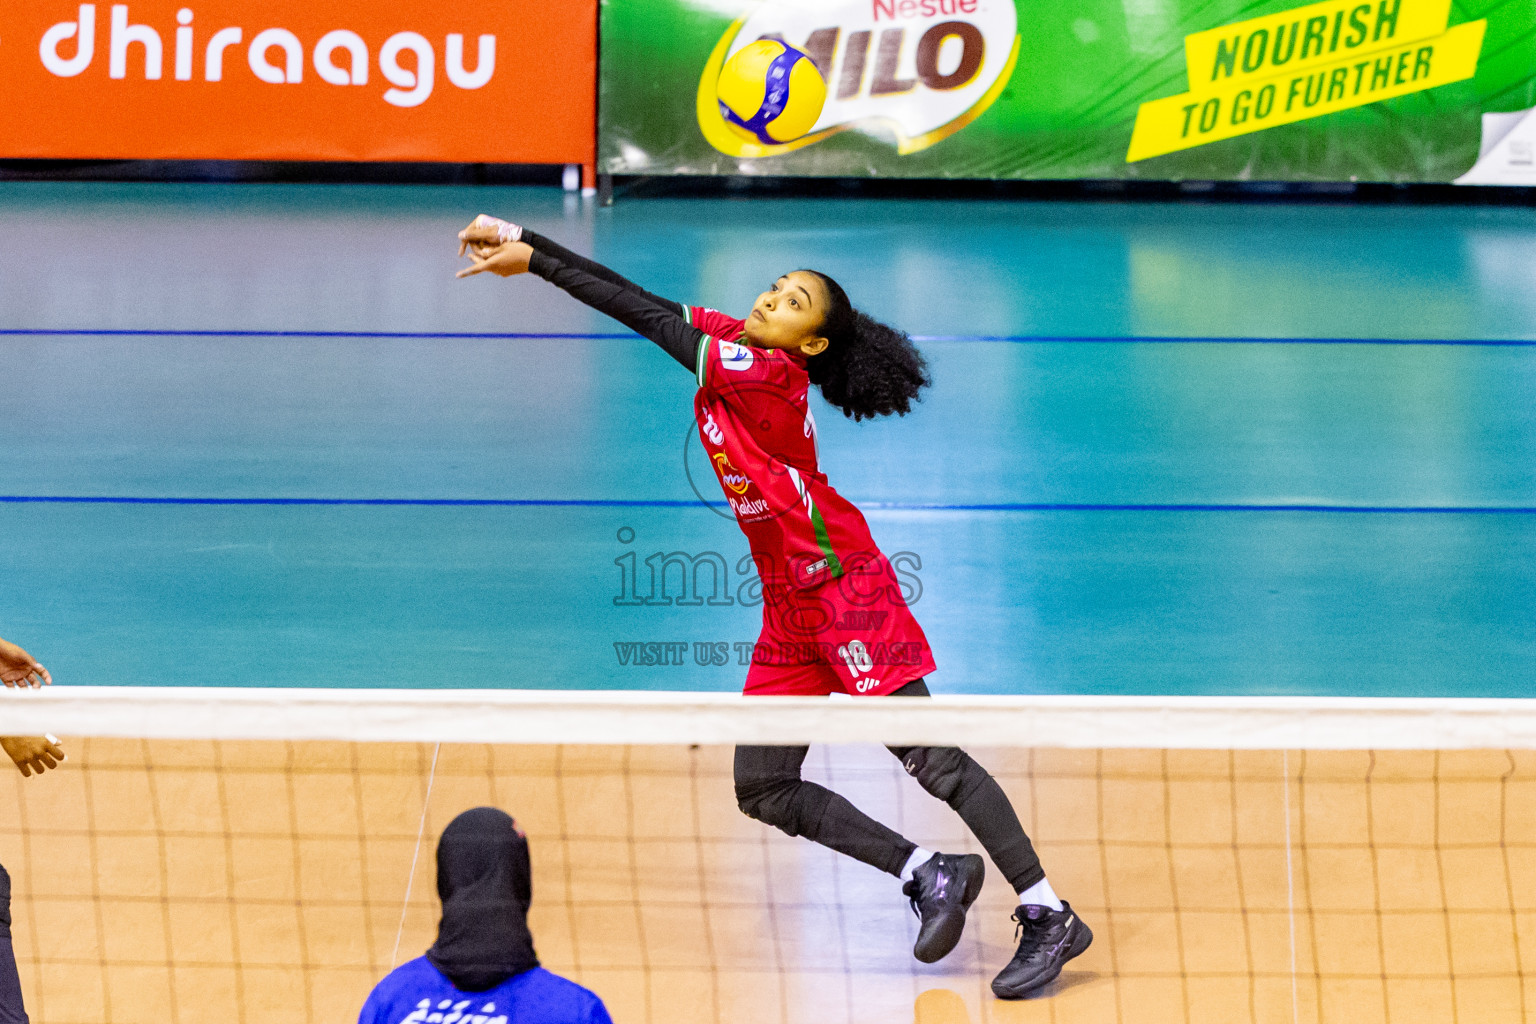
{"points": [[755, 419]]}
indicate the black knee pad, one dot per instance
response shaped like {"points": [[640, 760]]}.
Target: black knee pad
{"points": [[765, 789], [766, 799], [789, 804], [766, 778], [945, 772]]}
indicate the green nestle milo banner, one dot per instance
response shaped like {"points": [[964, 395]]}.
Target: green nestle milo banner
{"points": [[1342, 90]]}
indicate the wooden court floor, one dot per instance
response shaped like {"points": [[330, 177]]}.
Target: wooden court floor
{"points": [[267, 882]]}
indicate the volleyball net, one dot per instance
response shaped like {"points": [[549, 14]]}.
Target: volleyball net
{"points": [[268, 855]]}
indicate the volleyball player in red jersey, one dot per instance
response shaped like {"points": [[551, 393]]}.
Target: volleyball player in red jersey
{"points": [[834, 619]]}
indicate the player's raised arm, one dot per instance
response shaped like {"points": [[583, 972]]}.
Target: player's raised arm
{"points": [[505, 249]]}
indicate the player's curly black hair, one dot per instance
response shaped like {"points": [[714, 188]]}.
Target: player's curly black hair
{"points": [[869, 369]]}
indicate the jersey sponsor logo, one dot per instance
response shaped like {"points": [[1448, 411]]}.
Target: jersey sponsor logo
{"points": [[815, 567], [712, 430], [732, 477], [734, 356], [750, 509], [460, 1012], [865, 685]]}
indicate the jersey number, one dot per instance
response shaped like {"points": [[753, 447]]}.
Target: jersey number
{"points": [[856, 657]]}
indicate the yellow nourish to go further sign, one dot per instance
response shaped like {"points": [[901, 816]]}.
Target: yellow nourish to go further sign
{"points": [[1304, 63]]}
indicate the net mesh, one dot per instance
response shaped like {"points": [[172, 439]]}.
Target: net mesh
{"points": [[160, 880]]}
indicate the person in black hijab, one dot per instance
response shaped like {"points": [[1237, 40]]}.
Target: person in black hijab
{"points": [[485, 881], [483, 965]]}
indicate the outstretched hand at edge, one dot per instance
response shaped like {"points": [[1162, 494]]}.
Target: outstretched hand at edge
{"points": [[486, 233], [18, 668], [503, 261], [33, 754], [494, 245]]}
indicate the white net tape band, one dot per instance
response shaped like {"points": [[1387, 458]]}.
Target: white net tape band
{"points": [[603, 717]]}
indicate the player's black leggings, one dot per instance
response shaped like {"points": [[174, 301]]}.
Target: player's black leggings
{"points": [[11, 1010], [770, 789]]}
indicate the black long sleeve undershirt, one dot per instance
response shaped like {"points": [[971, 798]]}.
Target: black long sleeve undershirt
{"points": [[650, 316]]}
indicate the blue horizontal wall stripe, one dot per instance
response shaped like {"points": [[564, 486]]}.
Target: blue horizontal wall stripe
{"points": [[1016, 339], [877, 506]]}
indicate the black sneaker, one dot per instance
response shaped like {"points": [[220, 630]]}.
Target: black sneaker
{"points": [[1047, 940], [941, 890]]}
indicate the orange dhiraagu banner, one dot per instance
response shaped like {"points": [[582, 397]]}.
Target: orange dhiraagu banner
{"points": [[407, 80]]}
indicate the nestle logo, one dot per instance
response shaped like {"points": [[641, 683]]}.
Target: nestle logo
{"points": [[922, 8]]}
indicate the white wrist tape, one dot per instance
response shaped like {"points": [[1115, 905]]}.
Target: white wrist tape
{"points": [[506, 231]]}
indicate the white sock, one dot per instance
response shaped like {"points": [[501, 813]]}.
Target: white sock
{"points": [[1040, 895], [919, 857]]}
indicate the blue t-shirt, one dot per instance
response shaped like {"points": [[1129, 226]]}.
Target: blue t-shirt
{"points": [[418, 993]]}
